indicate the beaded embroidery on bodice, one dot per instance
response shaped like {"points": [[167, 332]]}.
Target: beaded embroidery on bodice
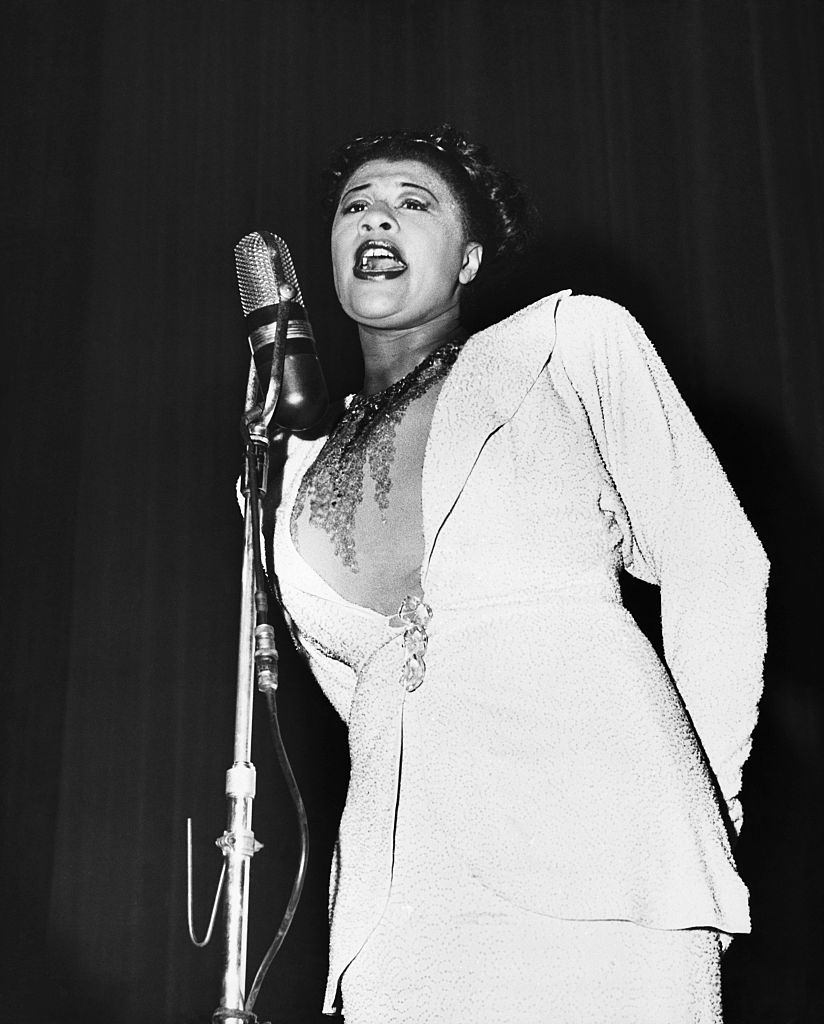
{"points": [[362, 532]]}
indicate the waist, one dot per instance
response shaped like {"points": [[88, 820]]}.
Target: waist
{"points": [[495, 628], [577, 593]]}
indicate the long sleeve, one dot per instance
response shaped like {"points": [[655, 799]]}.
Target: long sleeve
{"points": [[689, 533]]}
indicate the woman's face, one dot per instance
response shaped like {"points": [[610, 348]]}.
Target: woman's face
{"points": [[399, 254]]}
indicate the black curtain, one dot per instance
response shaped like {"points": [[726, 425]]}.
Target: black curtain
{"points": [[674, 150]]}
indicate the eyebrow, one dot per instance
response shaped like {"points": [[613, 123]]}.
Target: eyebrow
{"points": [[403, 184]]}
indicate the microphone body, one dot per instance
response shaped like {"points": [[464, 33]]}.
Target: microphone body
{"points": [[267, 282]]}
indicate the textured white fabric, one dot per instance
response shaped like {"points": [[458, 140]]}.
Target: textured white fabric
{"points": [[570, 774], [447, 949]]}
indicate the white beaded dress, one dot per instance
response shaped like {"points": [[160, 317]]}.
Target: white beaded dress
{"points": [[538, 826]]}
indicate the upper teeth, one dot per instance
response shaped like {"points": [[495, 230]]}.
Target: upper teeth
{"points": [[377, 250]]}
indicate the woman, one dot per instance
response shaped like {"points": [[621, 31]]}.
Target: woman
{"points": [[538, 820]]}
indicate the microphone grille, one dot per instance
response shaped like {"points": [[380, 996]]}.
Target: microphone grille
{"points": [[263, 261]]}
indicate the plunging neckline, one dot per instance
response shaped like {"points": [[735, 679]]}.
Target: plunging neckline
{"points": [[307, 570], [327, 590], [322, 585]]}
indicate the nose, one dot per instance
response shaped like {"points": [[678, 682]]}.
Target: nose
{"points": [[377, 217]]}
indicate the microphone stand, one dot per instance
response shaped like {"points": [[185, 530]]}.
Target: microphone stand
{"points": [[238, 842], [257, 657]]}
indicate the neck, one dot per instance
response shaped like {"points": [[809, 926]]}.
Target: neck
{"points": [[390, 354]]}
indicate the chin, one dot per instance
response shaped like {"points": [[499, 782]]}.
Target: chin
{"points": [[374, 309]]}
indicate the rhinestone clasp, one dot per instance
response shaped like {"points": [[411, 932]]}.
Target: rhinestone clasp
{"points": [[413, 617]]}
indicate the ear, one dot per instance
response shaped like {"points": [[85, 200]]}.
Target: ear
{"points": [[473, 255]]}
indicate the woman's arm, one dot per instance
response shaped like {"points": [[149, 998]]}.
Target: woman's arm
{"points": [[690, 534]]}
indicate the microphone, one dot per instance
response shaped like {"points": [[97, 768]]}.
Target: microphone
{"points": [[266, 278]]}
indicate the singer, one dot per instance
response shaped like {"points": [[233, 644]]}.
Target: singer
{"points": [[540, 814]]}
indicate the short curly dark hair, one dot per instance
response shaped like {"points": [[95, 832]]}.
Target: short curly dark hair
{"points": [[495, 209]]}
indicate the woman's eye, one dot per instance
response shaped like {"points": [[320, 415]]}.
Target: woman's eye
{"points": [[359, 205]]}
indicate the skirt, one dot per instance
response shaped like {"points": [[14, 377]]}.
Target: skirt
{"points": [[447, 950], [504, 966]]}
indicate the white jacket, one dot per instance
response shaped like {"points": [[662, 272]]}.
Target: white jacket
{"points": [[572, 772]]}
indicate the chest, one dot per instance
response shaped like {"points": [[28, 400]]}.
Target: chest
{"points": [[358, 520]]}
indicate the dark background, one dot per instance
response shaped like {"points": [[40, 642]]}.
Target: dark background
{"points": [[675, 152]]}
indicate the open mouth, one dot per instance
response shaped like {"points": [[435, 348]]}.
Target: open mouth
{"points": [[378, 261]]}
